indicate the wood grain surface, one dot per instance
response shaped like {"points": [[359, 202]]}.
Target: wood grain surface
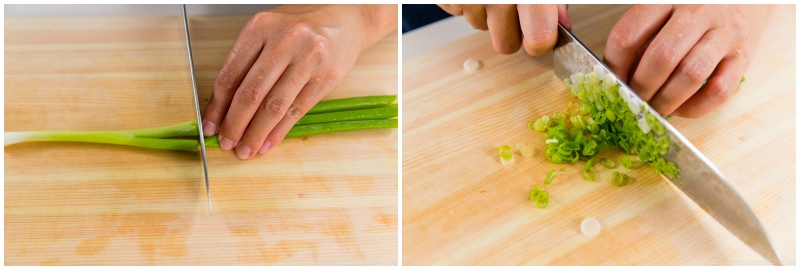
{"points": [[326, 199], [462, 207]]}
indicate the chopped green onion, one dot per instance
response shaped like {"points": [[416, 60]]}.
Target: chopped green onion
{"points": [[626, 162], [526, 151], [563, 169], [620, 179], [588, 174], [506, 155], [589, 164], [534, 192], [542, 198], [608, 163], [549, 177]]}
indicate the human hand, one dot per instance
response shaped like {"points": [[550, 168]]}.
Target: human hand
{"points": [[666, 52], [534, 27], [284, 61]]}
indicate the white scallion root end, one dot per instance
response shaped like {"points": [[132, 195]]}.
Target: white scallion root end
{"points": [[526, 151], [590, 227], [507, 161], [471, 65], [10, 138], [644, 126]]}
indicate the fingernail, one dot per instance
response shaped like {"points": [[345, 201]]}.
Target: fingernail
{"points": [[225, 144], [209, 128], [264, 147], [243, 151], [676, 113]]}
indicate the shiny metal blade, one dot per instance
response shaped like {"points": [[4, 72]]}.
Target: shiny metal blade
{"points": [[197, 107], [699, 179]]}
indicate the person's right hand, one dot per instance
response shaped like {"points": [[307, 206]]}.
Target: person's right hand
{"points": [[534, 27]]}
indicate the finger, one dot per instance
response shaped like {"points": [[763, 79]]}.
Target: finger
{"points": [[690, 74], [455, 10], [242, 56], [719, 88], [310, 95], [272, 109], [503, 24], [476, 16], [539, 25], [631, 32], [665, 52], [255, 86], [563, 17]]}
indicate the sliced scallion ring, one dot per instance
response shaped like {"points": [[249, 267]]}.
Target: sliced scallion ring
{"points": [[542, 198], [549, 177], [608, 163], [589, 175], [506, 154]]}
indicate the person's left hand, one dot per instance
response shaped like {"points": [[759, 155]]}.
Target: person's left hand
{"points": [[286, 60], [666, 52]]}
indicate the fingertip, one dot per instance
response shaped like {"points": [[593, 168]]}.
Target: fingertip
{"points": [[505, 47], [540, 47], [265, 147], [224, 143], [563, 17], [209, 128], [243, 151]]}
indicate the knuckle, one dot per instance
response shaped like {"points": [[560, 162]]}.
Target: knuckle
{"points": [[622, 37], [695, 71], [295, 112], [225, 80], [318, 51], [301, 31], [275, 106], [661, 56], [249, 93], [333, 75]]}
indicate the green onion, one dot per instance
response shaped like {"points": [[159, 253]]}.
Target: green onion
{"points": [[606, 119], [588, 174], [365, 114], [563, 169], [355, 103], [549, 177], [307, 130], [177, 137], [608, 163], [534, 192], [105, 137], [542, 198], [589, 164], [620, 179], [526, 151], [506, 154], [626, 162]]}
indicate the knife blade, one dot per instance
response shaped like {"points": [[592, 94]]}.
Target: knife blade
{"points": [[197, 106], [699, 179]]}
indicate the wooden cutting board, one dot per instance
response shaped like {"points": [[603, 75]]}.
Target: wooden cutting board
{"points": [[326, 199], [462, 207]]}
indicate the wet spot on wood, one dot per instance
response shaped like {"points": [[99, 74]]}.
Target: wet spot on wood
{"points": [[361, 185], [53, 261], [93, 246]]}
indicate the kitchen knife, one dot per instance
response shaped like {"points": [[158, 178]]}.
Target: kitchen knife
{"points": [[698, 178], [197, 107]]}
